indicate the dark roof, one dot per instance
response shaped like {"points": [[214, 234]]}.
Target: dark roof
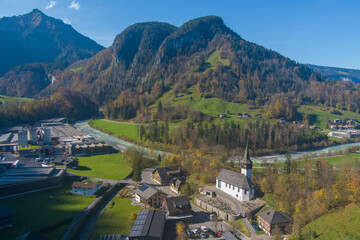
{"points": [[168, 172], [6, 211], [177, 182], [229, 236], [236, 179], [275, 217], [145, 191], [177, 203], [149, 223], [246, 159]]}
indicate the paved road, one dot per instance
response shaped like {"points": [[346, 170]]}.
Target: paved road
{"points": [[90, 224]]}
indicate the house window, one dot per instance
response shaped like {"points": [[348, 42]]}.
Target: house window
{"points": [[245, 191], [219, 184], [238, 189], [233, 187]]}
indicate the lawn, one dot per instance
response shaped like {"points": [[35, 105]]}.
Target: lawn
{"points": [[115, 218], [214, 58], [342, 223], [38, 210], [337, 161], [210, 106], [13, 99], [318, 115], [241, 226], [108, 166], [130, 130]]}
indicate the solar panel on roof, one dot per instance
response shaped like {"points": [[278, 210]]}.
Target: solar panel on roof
{"points": [[143, 187]]}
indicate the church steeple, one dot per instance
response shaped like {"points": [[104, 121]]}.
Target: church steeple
{"points": [[246, 163]]}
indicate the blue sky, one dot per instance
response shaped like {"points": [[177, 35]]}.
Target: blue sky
{"points": [[322, 32]]}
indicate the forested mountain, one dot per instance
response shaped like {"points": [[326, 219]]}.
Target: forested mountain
{"points": [[148, 59], [343, 74], [34, 38]]}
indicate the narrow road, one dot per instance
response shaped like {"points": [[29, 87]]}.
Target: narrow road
{"points": [[90, 224]]}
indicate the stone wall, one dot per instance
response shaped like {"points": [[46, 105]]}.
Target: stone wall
{"points": [[221, 214]]}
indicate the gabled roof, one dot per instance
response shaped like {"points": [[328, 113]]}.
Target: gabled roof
{"points": [[168, 172], [177, 203], [177, 182], [145, 191], [149, 223], [275, 217], [83, 185], [229, 236], [236, 179]]}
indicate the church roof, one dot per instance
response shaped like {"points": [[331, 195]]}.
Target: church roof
{"points": [[236, 179], [246, 159]]}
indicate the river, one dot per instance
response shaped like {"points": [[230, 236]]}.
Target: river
{"points": [[116, 143], [122, 145]]}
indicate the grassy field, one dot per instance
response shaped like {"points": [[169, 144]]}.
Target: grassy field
{"points": [[38, 210], [115, 218], [12, 99], [241, 226], [130, 130], [108, 166], [339, 224], [210, 106], [318, 115], [337, 161], [214, 58]]}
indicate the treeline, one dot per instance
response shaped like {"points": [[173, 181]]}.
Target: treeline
{"points": [[64, 103], [311, 192], [265, 136]]}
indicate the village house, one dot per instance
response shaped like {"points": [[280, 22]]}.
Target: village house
{"points": [[163, 176], [176, 185], [270, 219], [149, 196], [333, 127], [238, 185], [177, 205], [85, 188], [350, 127], [337, 121]]}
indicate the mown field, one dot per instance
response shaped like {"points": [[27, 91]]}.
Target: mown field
{"points": [[108, 166], [342, 223], [319, 115], [4, 99], [129, 130], [115, 219], [38, 210]]}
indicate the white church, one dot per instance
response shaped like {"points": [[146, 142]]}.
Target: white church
{"points": [[238, 185]]}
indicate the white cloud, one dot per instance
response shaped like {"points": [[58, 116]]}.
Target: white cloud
{"points": [[75, 5], [51, 4], [66, 20]]}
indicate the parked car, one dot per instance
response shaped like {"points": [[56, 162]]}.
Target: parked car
{"points": [[203, 235], [256, 227], [219, 234], [189, 232], [204, 229], [196, 231]]}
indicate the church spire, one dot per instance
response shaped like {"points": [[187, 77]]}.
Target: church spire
{"points": [[246, 163]]}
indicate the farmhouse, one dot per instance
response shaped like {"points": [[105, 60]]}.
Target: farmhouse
{"points": [[176, 185], [148, 225], [177, 205], [163, 176], [85, 188], [238, 185], [6, 214], [269, 219], [149, 196]]}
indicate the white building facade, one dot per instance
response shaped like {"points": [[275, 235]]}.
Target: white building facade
{"points": [[238, 185], [85, 188]]}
